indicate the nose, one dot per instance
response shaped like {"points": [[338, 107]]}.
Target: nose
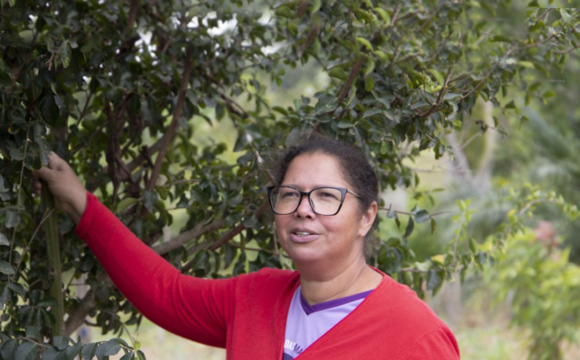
{"points": [[304, 209]]}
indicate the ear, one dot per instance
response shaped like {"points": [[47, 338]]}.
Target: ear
{"points": [[368, 219]]}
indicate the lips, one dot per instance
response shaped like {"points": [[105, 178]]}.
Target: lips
{"points": [[303, 235]]}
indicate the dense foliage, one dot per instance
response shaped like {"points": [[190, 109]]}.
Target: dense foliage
{"points": [[119, 88]]}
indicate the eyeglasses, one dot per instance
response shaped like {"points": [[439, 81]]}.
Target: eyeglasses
{"points": [[325, 200]]}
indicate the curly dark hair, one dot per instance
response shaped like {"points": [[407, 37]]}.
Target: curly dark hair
{"points": [[354, 167]]}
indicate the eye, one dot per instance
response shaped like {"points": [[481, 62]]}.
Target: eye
{"points": [[328, 194], [288, 193]]}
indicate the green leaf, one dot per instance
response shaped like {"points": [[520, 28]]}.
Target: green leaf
{"points": [[315, 6], [6, 268], [60, 342], [549, 94], [526, 64], [501, 38], [88, 351], [65, 54], [384, 15], [4, 240], [141, 355], [565, 16], [120, 342], [344, 124], [370, 67], [26, 351], [241, 141], [52, 354], [49, 110], [409, 228], [73, 351], [33, 333], [510, 105], [230, 254], [125, 203], [8, 348], [326, 103], [17, 288], [472, 245], [150, 199], [284, 12], [369, 83], [5, 80], [523, 120], [107, 349], [433, 280], [128, 356], [365, 42], [438, 76], [422, 216], [16, 154], [339, 73]]}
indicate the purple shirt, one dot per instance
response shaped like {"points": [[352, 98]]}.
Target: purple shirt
{"points": [[306, 323]]}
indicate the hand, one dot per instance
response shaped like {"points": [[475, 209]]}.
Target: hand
{"points": [[69, 193]]}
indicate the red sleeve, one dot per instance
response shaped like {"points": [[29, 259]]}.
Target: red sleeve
{"points": [[197, 309], [439, 344]]}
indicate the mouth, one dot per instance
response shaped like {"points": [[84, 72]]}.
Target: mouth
{"points": [[303, 236], [302, 233]]}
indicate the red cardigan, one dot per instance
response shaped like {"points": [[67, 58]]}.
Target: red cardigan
{"points": [[247, 314]]}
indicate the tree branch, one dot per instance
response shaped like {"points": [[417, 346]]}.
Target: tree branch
{"points": [[168, 136], [302, 8], [310, 38], [188, 235], [77, 318], [94, 183], [433, 107], [225, 238], [135, 4], [353, 74]]}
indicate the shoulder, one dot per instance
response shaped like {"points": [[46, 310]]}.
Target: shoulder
{"points": [[410, 320], [405, 304], [438, 344]]}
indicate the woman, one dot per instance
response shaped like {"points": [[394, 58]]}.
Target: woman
{"points": [[334, 307]]}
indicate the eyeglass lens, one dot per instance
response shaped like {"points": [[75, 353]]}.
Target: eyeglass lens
{"points": [[324, 201]]}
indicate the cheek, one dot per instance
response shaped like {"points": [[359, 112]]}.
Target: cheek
{"points": [[279, 225]]}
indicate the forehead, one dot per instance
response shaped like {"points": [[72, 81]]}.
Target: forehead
{"points": [[311, 170]]}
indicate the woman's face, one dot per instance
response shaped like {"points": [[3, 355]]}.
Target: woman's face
{"points": [[313, 240]]}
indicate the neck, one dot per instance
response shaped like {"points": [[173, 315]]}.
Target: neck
{"points": [[354, 278]]}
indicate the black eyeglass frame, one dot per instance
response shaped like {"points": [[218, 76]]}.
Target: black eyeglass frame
{"points": [[343, 191]]}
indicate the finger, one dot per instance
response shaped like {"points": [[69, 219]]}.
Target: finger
{"points": [[37, 188], [54, 160], [43, 173]]}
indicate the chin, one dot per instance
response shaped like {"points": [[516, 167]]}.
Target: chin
{"points": [[302, 257]]}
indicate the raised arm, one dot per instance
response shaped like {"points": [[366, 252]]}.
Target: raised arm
{"points": [[197, 309]]}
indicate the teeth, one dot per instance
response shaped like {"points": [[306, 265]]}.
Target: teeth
{"points": [[302, 233]]}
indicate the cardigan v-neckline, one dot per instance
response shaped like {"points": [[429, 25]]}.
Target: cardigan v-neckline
{"points": [[332, 329]]}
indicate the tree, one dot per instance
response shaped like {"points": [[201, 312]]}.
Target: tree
{"points": [[118, 89]]}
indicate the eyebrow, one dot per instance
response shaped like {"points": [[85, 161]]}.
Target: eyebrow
{"points": [[314, 187]]}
